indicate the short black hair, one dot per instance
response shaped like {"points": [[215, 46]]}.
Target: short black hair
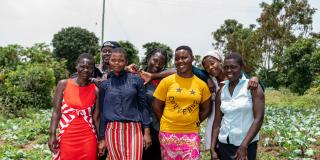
{"points": [[120, 50], [237, 57], [85, 56], [184, 47], [157, 50]]}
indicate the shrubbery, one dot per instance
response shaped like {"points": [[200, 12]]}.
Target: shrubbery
{"points": [[27, 77], [29, 85]]}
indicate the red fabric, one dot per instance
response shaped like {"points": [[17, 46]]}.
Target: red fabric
{"points": [[77, 136], [155, 82], [124, 140]]}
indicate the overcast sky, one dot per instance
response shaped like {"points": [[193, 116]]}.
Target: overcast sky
{"points": [[173, 22]]}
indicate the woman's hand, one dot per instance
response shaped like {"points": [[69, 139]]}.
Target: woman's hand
{"points": [[214, 155], [241, 153], [253, 83], [146, 76], [53, 144], [101, 147], [133, 68], [147, 142]]}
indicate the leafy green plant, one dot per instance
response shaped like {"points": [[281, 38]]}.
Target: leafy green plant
{"points": [[29, 85], [25, 138]]}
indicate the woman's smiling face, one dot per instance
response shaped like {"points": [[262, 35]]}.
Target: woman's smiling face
{"points": [[183, 61], [156, 62], [117, 62], [232, 69], [212, 66]]}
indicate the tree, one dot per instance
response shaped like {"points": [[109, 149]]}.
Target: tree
{"points": [[156, 45], [280, 22], [232, 37], [131, 51], [197, 61], [70, 42], [301, 64]]}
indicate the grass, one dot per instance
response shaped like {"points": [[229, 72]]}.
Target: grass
{"points": [[283, 97]]}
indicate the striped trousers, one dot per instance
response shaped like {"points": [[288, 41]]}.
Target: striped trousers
{"points": [[124, 140]]}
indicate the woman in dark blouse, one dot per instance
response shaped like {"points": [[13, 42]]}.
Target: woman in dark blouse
{"points": [[156, 62], [124, 112]]}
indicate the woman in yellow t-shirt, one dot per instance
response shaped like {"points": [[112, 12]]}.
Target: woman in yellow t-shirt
{"points": [[182, 102]]}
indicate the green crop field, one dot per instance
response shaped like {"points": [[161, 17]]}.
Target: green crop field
{"points": [[287, 133]]}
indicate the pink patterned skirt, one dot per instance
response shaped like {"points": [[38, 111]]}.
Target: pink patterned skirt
{"points": [[180, 146]]}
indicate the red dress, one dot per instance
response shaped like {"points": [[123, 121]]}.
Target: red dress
{"points": [[77, 136]]}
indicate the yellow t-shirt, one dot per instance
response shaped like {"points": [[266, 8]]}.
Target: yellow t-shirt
{"points": [[182, 97]]}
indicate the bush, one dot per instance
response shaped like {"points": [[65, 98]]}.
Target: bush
{"points": [[28, 86], [315, 87]]}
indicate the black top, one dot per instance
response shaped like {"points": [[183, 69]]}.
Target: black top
{"points": [[123, 99], [151, 87]]}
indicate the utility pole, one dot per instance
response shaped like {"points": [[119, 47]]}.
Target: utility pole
{"points": [[102, 27]]}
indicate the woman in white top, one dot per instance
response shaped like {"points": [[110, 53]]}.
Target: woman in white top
{"points": [[212, 63], [239, 114]]}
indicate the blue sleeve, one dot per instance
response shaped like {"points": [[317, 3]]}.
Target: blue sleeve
{"points": [[102, 126], [202, 74], [143, 105]]}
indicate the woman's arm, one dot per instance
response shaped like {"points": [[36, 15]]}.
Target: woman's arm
{"points": [[158, 107], [56, 114], [146, 114], [102, 121], [96, 117], [204, 110], [147, 77], [216, 125], [254, 82], [258, 114]]}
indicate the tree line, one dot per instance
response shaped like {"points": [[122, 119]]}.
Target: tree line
{"points": [[280, 49]]}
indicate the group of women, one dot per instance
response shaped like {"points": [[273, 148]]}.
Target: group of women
{"points": [[134, 118]]}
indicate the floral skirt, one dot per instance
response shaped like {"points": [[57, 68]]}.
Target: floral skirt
{"points": [[180, 146]]}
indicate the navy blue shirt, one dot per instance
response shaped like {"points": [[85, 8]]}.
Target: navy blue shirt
{"points": [[200, 73], [123, 99]]}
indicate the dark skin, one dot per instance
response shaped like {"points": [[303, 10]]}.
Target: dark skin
{"points": [[214, 67], [148, 76], [84, 69], [105, 56], [183, 61], [232, 71], [118, 63], [104, 66], [156, 62]]}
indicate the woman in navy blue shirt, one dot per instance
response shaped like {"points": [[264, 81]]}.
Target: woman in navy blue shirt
{"points": [[124, 112]]}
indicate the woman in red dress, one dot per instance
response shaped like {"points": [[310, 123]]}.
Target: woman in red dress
{"points": [[77, 113]]}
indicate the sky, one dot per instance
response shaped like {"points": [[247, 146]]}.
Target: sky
{"points": [[172, 22]]}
